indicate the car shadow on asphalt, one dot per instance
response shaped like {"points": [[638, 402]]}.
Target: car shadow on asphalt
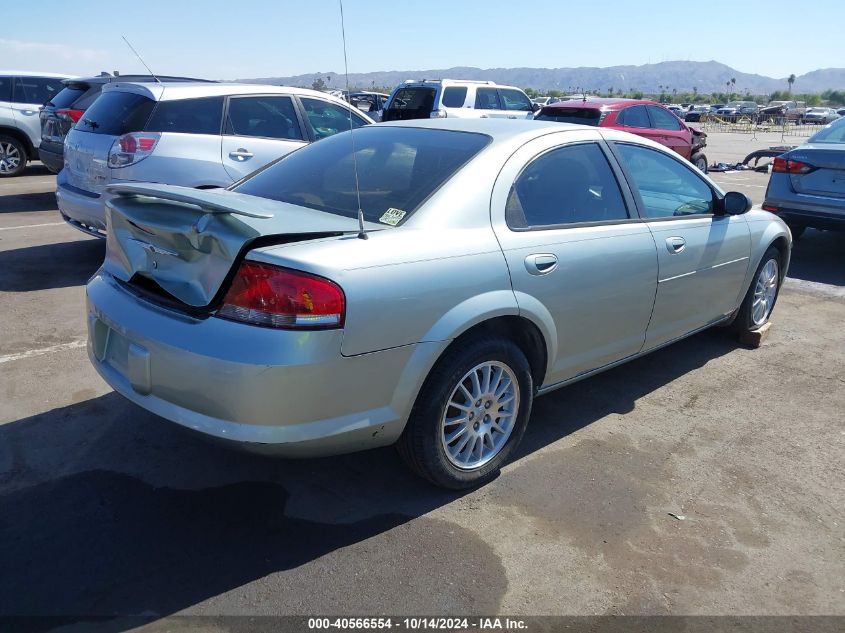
{"points": [[109, 511], [819, 256], [50, 265], [28, 202]]}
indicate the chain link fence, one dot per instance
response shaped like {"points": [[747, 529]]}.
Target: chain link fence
{"points": [[752, 125]]}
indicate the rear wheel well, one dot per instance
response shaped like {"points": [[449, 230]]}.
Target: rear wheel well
{"points": [[521, 331], [19, 136]]}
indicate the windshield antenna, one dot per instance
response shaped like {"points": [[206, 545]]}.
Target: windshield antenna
{"points": [[362, 234], [132, 48]]}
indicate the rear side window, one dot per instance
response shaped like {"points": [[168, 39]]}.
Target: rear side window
{"points": [[117, 113], [188, 116], [5, 88], [35, 89], [666, 186], [635, 116], [454, 97], [568, 185], [663, 120], [398, 168], [582, 116], [515, 100], [487, 99], [327, 119], [66, 97]]}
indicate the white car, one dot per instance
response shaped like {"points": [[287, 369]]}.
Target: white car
{"points": [[457, 98], [201, 135], [21, 96], [820, 115]]}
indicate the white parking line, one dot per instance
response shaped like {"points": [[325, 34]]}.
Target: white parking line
{"points": [[30, 226], [40, 352]]}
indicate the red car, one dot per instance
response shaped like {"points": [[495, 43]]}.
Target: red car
{"points": [[641, 117]]}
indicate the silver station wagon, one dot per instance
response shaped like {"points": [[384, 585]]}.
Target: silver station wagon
{"points": [[494, 261]]}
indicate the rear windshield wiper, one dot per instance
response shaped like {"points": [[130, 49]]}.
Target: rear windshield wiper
{"points": [[92, 124]]}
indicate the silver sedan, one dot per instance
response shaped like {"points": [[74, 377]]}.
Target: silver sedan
{"points": [[490, 262]]}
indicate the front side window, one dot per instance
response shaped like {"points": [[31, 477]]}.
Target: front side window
{"points": [[36, 89], [188, 116], [635, 116], [666, 186], [454, 96], [327, 119], [663, 120], [515, 100], [568, 185], [398, 168], [487, 99], [266, 117]]}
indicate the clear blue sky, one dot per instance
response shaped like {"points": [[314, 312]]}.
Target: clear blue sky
{"points": [[252, 38]]}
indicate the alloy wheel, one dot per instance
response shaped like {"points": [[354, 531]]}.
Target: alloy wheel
{"points": [[765, 292], [480, 415], [10, 158]]}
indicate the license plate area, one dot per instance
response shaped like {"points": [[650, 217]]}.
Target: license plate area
{"points": [[127, 358]]}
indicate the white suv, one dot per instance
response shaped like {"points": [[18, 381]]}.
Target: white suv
{"points": [[459, 98], [21, 96], [200, 135]]}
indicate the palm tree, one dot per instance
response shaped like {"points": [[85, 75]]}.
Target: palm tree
{"points": [[790, 80], [728, 87]]}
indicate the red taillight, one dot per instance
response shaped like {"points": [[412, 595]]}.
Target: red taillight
{"points": [[131, 148], [276, 297], [787, 166], [770, 208], [73, 115]]}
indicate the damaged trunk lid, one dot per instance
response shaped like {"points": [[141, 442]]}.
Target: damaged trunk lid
{"points": [[183, 243]]}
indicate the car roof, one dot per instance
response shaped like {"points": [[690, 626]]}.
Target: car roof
{"points": [[195, 89], [32, 73], [596, 103], [501, 129], [105, 79]]}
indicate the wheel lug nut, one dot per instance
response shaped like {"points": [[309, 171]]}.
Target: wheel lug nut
{"points": [[475, 426], [471, 415]]}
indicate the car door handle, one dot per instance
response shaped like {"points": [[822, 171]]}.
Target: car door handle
{"points": [[675, 245], [241, 154], [541, 263]]}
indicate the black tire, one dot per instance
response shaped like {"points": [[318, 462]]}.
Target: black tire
{"points": [[421, 446], [744, 321], [699, 160], [9, 145]]}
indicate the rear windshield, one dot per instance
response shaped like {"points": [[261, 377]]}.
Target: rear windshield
{"points": [[116, 113], [582, 116], [398, 168], [66, 97], [410, 103], [833, 133]]}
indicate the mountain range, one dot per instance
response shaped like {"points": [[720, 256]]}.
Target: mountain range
{"points": [[683, 76]]}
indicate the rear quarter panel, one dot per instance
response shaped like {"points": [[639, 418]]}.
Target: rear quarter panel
{"points": [[189, 160]]}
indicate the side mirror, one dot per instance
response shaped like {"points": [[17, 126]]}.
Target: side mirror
{"points": [[735, 203], [535, 107]]}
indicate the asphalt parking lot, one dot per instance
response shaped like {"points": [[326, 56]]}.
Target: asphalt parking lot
{"points": [[110, 511]]}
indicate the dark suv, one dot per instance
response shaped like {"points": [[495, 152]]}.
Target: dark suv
{"points": [[62, 112]]}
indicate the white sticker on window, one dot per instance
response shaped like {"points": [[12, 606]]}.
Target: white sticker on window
{"points": [[392, 216]]}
